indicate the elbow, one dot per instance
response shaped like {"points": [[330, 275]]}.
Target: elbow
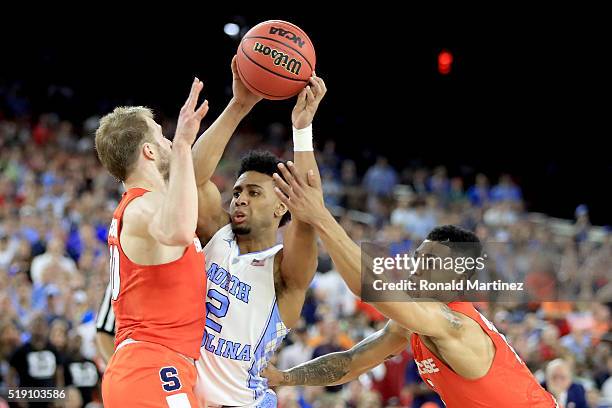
{"points": [[181, 238], [180, 235]]}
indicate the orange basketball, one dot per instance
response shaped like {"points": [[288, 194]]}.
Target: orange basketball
{"points": [[275, 59]]}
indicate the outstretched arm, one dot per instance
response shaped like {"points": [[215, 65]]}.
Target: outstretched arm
{"points": [[430, 318], [299, 261], [344, 366], [175, 213], [207, 152]]}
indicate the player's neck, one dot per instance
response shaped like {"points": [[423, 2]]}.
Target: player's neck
{"points": [[148, 178], [255, 243]]}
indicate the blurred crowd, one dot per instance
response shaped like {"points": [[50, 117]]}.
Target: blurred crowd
{"points": [[56, 202]]}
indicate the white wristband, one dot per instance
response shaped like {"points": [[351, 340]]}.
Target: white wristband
{"points": [[302, 139]]}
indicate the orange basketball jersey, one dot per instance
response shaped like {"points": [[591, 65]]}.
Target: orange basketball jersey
{"points": [[163, 304], [508, 383]]}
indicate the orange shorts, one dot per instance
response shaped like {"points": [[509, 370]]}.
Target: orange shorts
{"points": [[144, 374]]}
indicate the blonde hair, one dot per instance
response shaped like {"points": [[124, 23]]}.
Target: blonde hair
{"points": [[119, 137]]}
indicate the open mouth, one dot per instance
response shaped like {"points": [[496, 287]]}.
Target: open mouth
{"points": [[238, 218]]}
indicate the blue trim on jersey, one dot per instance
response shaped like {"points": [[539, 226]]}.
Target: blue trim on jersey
{"points": [[260, 357], [257, 348], [269, 400]]}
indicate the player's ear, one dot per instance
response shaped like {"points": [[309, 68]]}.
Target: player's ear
{"points": [[148, 151], [280, 209]]}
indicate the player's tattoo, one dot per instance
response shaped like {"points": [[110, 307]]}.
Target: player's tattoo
{"points": [[454, 321], [331, 368], [321, 371]]}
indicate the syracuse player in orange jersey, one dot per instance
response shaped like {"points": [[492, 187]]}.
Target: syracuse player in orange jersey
{"points": [[458, 352], [157, 264]]}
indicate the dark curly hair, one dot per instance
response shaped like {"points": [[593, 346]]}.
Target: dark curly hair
{"points": [[265, 162], [461, 241]]}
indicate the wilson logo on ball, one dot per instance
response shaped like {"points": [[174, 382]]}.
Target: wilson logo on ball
{"points": [[288, 35], [280, 58]]}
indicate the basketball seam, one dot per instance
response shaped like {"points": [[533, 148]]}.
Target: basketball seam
{"points": [[243, 78], [280, 42]]}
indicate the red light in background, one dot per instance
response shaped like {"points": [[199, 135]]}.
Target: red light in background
{"points": [[445, 61]]}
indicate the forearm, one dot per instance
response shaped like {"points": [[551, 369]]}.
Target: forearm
{"points": [[325, 370], [177, 218], [345, 253], [301, 239], [344, 366], [208, 149]]}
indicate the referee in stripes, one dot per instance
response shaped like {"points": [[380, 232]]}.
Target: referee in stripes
{"points": [[105, 327]]}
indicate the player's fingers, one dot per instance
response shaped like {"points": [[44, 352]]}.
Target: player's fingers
{"points": [[196, 95], [192, 92], [281, 184], [312, 180], [301, 100], [287, 176], [322, 85], [316, 87], [202, 110], [297, 181], [311, 97], [234, 67], [281, 196]]}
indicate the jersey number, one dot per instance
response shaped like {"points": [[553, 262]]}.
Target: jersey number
{"points": [[217, 311], [115, 278]]}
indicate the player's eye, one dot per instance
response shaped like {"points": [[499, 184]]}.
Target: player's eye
{"points": [[236, 194], [254, 193]]}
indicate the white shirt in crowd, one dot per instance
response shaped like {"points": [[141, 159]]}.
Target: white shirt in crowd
{"points": [[41, 262]]}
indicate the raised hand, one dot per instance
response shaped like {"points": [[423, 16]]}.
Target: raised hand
{"points": [[189, 119], [242, 95], [304, 198], [308, 102]]}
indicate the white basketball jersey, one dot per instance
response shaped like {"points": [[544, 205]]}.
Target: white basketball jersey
{"points": [[243, 323]]}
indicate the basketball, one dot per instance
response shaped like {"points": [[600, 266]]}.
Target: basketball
{"points": [[275, 59]]}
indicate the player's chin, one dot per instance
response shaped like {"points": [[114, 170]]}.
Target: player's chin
{"points": [[241, 229]]}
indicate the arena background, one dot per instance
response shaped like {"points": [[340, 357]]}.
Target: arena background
{"points": [[526, 97]]}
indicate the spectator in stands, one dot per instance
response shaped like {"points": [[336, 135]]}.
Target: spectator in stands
{"points": [[298, 352], [479, 193], [381, 178], [606, 387], [81, 372], [420, 219], [52, 258], [36, 363], [420, 392], [506, 190], [559, 383]]}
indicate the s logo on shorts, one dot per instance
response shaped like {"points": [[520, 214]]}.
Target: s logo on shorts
{"points": [[169, 379]]}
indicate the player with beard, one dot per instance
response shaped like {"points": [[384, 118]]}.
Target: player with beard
{"points": [[458, 352], [156, 260], [256, 285]]}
